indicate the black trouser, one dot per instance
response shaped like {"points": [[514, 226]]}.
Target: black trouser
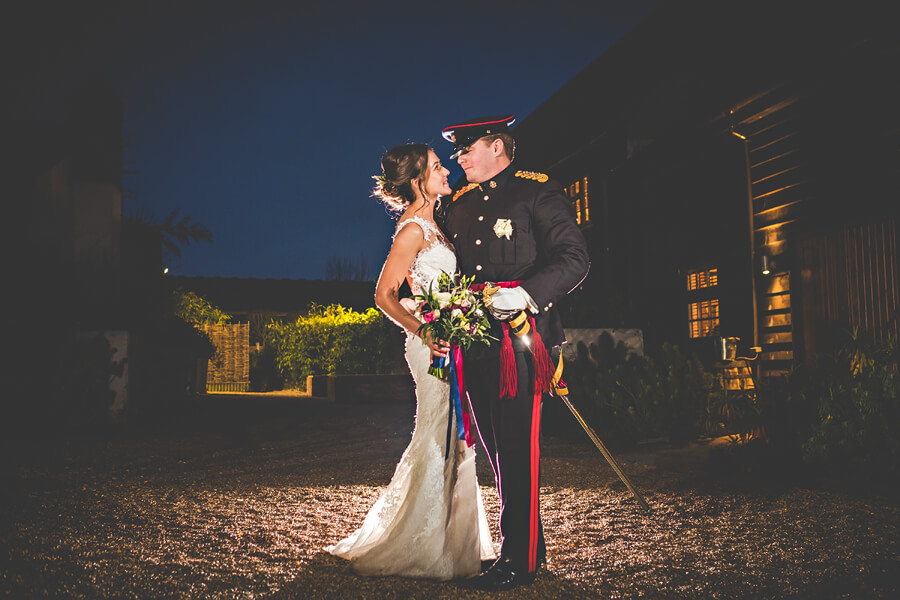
{"points": [[510, 431]]}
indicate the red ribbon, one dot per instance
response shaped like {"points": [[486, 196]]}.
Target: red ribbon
{"points": [[456, 357], [543, 372]]}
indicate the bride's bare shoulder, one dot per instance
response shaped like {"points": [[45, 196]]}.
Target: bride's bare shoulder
{"points": [[426, 228], [412, 238]]}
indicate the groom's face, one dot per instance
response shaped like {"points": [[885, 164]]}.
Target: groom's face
{"points": [[478, 161]]}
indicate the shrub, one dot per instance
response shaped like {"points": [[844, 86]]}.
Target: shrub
{"points": [[334, 340], [195, 309], [854, 395], [164, 355], [264, 374], [836, 416], [638, 397]]}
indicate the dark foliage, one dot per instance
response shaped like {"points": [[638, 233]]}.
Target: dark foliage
{"points": [[835, 419], [630, 397]]}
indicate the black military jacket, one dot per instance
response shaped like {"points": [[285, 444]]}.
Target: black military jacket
{"points": [[545, 250]]}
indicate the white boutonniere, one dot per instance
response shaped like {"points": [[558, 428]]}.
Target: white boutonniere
{"points": [[503, 228]]}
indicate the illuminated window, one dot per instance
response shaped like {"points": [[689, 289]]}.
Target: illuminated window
{"points": [[703, 312], [703, 318], [578, 194], [702, 279]]}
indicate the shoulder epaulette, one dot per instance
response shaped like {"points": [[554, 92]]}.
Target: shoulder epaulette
{"points": [[463, 190], [539, 177]]}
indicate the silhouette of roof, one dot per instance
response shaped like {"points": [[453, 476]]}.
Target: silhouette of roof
{"points": [[243, 295], [686, 60]]}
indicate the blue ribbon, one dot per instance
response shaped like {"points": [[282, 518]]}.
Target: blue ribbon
{"points": [[455, 399]]}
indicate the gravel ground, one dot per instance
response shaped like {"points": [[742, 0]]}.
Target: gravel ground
{"points": [[238, 499]]}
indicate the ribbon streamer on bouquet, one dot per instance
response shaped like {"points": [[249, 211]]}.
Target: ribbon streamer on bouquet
{"points": [[457, 394]]}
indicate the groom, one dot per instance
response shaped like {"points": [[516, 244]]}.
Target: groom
{"points": [[514, 229]]}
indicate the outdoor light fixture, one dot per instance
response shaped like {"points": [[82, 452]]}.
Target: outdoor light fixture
{"points": [[165, 270], [764, 264], [727, 348], [736, 134]]}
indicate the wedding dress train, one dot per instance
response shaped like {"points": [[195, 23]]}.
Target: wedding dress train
{"points": [[430, 521]]}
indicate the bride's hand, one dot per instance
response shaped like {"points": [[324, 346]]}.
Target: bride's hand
{"points": [[438, 347]]}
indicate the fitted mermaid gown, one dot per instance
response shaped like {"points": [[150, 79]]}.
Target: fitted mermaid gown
{"points": [[430, 521]]}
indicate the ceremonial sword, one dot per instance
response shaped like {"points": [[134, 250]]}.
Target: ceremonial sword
{"points": [[519, 325], [560, 390]]}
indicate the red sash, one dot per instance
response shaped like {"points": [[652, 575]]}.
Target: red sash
{"points": [[543, 372]]}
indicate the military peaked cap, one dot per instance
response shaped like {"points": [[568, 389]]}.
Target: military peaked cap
{"points": [[467, 133]]}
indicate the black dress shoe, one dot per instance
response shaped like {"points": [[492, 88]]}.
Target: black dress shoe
{"points": [[487, 564], [502, 576]]}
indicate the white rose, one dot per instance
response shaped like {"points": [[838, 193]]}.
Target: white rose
{"points": [[456, 313], [443, 299], [503, 228]]}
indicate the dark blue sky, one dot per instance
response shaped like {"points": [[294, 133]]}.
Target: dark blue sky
{"points": [[265, 121]]}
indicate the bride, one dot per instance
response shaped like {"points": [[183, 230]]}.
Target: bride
{"points": [[430, 521]]}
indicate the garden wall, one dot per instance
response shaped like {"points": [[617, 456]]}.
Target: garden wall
{"points": [[363, 389]]}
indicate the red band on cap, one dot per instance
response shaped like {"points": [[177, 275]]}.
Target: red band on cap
{"points": [[503, 120]]}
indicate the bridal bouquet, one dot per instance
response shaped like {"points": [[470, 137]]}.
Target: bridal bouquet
{"points": [[453, 312]]}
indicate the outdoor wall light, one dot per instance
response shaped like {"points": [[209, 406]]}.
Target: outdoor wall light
{"points": [[765, 264], [727, 348], [736, 134]]}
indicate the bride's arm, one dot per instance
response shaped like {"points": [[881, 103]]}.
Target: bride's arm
{"points": [[407, 243]]}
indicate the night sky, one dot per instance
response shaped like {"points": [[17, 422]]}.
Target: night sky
{"points": [[265, 121]]}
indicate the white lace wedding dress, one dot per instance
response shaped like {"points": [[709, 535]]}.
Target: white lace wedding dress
{"points": [[430, 521]]}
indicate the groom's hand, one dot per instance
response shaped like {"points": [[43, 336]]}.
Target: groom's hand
{"points": [[505, 303]]}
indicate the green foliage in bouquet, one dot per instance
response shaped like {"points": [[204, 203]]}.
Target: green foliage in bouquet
{"points": [[453, 312]]}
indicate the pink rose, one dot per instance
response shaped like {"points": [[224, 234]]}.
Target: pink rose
{"points": [[428, 317]]}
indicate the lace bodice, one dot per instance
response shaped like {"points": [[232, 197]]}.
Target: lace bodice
{"points": [[434, 258]]}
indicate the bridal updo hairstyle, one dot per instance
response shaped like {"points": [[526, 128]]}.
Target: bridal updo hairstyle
{"points": [[400, 165]]}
